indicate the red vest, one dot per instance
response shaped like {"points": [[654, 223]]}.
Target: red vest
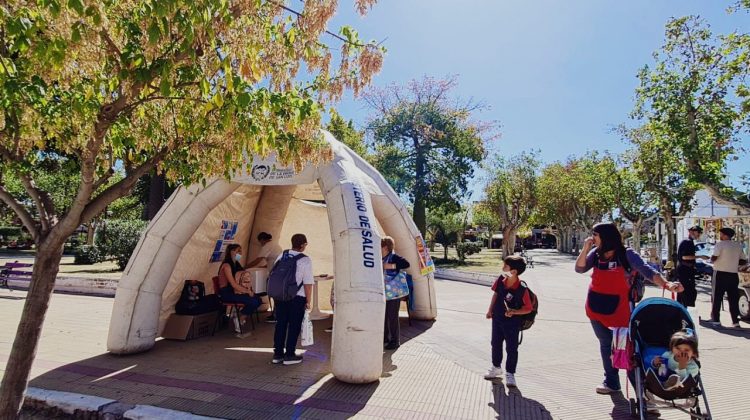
{"points": [[607, 300]]}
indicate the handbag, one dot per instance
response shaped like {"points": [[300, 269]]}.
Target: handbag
{"points": [[396, 286], [622, 349], [306, 334]]}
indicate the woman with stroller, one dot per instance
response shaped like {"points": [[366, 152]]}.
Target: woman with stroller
{"points": [[607, 303]]}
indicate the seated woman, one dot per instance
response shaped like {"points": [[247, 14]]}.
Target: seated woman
{"points": [[230, 288]]}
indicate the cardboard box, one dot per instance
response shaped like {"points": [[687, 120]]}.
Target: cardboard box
{"points": [[187, 327]]}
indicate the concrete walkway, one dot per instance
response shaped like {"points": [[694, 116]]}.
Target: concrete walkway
{"points": [[437, 372]]}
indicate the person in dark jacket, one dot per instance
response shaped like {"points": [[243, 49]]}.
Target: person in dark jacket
{"points": [[392, 264], [686, 266]]}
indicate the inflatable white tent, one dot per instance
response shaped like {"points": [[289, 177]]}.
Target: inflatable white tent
{"points": [[343, 206]]}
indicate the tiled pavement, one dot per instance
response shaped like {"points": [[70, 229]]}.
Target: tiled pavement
{"points": [[437, 372]]}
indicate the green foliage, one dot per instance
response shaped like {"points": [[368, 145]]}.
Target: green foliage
{"points": [[346, 133], [117, 239], [445, 228], [426, 145], [694, 100], [10, 232], [87, 254], [464, 249]]}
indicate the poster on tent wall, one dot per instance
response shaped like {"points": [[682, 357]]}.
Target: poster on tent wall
{"points": [[426, 266], [227, 234]]}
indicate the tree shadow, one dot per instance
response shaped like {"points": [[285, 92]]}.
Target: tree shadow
{"points": [[734, 332], [224, 376], [511, 404]]}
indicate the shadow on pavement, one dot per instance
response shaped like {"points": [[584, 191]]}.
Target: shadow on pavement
{"points": [[224, 376], [511, 404]]}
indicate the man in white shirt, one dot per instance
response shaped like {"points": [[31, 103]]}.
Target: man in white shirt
{"points": [[289, 314], [728, 256]]}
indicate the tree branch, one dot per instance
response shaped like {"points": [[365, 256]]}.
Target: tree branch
{"points": [[21, 212], [33, 192], [120, 188]]}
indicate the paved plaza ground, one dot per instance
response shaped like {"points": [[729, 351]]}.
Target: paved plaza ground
{"points": [[437, 372]]}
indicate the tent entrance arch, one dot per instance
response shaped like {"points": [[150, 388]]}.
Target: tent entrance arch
{"points": [[343, 206]]}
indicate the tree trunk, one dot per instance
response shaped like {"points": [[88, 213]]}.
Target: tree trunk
{"points": [[16, 377], [637, 226], [445, 252], [420, 192], [90, 232], [509, 241], [668, 214], [155, 195]]}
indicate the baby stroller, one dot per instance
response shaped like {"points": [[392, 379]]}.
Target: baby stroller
{"points": [[652, 324]]}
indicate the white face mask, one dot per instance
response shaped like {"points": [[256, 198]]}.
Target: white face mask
{"points": [[507, 274], [238, 257]]}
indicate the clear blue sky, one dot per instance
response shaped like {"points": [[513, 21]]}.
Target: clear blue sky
{"points": [[556, 74]]}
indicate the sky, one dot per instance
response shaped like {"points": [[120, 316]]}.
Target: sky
{"points": [[556, 74]]}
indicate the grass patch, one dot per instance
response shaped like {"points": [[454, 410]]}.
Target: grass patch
{"points": [[487, 261]]}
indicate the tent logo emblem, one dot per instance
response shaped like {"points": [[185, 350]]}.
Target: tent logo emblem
{"points": [[260, 172]]}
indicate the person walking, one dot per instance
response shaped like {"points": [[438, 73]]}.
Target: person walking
{"points": [[686, 266], [727, 257], [607, 303], [289, 314]]}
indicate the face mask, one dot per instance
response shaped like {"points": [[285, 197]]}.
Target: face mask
{"points": [[238, 257], [507, 274]]}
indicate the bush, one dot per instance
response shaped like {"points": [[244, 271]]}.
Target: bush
{"points": [[464, 249], [9, 232], [118, 238], [87, 254]]}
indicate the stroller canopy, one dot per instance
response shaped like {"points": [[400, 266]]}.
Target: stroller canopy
{"points": [[654, 320]]}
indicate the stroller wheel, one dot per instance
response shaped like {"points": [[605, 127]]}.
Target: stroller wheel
{"points": [[633, 408]]}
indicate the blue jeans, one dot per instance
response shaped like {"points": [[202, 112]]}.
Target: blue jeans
{"points": [[505, 330], [252, 303], [611, 375]]}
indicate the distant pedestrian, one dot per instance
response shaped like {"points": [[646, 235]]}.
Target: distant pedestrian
{"points": [[727, 257], [686, 266], [607, 303], [510, 300]]}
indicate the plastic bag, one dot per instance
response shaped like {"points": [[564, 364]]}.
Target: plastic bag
{"points": [[622, 349], [307, 330]]}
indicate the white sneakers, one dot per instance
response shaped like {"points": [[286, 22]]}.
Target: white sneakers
{"points": [[736, 325], [497, 373], [494, 373], [604, 389]]}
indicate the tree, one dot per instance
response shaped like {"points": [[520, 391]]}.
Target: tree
{"points": [[511, 193], [181, 87], [426, 144], [635, 202], [483, 216], [575, 195], [658, 166], [695, 101], [445, 228], [346, 133]]}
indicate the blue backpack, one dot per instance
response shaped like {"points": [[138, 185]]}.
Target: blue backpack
{"points": [[282, 282]]}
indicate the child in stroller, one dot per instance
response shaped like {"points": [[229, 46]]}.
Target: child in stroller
{"points": [[678, 363], [653, 324]]}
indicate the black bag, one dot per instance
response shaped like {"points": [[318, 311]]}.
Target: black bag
{"points": [[282, 282], [527, 320], [194, 301], [635, 280]]}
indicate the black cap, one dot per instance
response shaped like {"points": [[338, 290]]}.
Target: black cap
{"points": [[727, 231], [696, 228]]}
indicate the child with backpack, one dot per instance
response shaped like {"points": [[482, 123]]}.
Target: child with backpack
{"points": [[510, 300]]}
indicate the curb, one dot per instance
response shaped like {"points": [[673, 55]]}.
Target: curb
{"points": [[76, 285], [80, 406], [473, 278]]}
